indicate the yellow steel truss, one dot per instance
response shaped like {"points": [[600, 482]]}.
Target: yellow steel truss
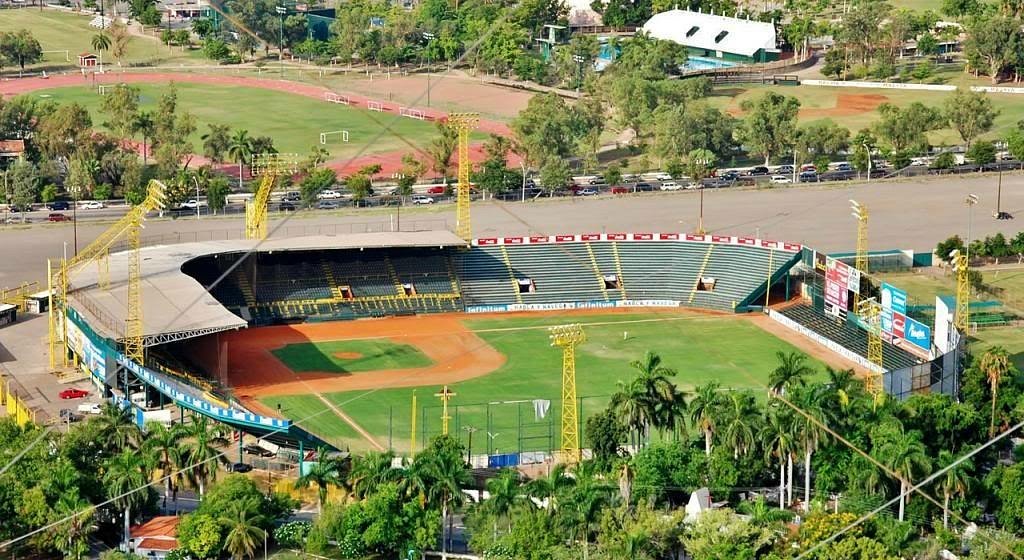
{"points": [[268, 167], [861, 262], [463, 123], [871, 313], [962, 317], [568, 337]]}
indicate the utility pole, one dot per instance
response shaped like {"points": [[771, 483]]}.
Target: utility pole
{"points": [[429, 37], [281, 11], [580, 60]]}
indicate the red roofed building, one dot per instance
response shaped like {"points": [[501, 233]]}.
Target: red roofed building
{"points": [[87, 60], [156, 537], [12, 149]]}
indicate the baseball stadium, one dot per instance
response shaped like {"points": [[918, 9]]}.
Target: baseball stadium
{"points": [[382, 340]]}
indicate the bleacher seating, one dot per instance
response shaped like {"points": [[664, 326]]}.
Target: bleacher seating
{"points": [[847, 335], [484, 277], [659, 270], [560, 273], [737, 271]]}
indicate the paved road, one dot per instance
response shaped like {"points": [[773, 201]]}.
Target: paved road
{"points": [[905, 214]]}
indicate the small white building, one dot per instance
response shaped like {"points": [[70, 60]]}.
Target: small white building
{"points": [[155, 538], [719, 37]]}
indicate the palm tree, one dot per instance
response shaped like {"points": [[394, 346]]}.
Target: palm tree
{"points": [[166, 452], [505, 492], [101, 42], [995, 364], [761, 514], [324, 473], [200, 438], [547, 488], [779, 442], [739, 421], [956, 481], [449, 476], [72, 536], [585, 502], [144, 123], [243, 529], [370, 471], [415, 479], [904, 454], [845, 386], [704, 410], [117, 427], [812, 415], [792, 370], [125, 473], [240, 150], [631, 406], [666, 406]]}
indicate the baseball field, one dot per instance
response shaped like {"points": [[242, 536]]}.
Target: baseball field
{"points": [[497, 366]]}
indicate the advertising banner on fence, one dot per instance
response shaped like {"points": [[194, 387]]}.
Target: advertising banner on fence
{"points": [[918, 334], [837, 280], [894, 298]]}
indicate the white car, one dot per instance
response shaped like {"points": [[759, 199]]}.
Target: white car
{"points": [[693, 185], [328, 194], [92, 205], [90, 408], [422, 199], [193, 203], [670, 186], [780, 180]]}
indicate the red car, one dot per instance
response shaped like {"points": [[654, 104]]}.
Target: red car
{"points": [[436, 190], [620, 190], [58, 217], [73, 394]]}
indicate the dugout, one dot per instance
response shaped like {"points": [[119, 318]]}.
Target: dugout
{"points": [[8, 314], [38, 302]]}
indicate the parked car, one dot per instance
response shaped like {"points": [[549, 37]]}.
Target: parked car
{"points": [[694, 185], [92, 205], [730, 175], [58, 205], [73, 393], [439, 189], [843, 166], [240, 467], [67, 416], [90, 408], [757, 170], [253, 449], [58, 217], [717, 183], [784, 170], [328, 194], [644, 187], [808, 167], [292, 196], [422, 199], [328, 205], [620, 190], [286, 207], [670, 186], [193, 203], [780, 180], [808, 176], [589, 191]]}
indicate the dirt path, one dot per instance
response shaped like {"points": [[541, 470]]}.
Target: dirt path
{"points": [[390, 162], [804, 344]]}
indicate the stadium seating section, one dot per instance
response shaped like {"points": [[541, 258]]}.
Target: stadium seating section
{"points": [[846, 335]]}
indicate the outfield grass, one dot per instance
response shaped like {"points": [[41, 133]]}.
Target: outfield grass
{"points": [[733, 352], [71, 32], [294, 122], [366, 355], [1010, 107]]}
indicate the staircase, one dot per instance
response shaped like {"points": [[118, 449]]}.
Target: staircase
{"points": [[618, 268], [700, 274], [245, 287], [329, 274], [597, 271], [511, 275], [399, 290]]}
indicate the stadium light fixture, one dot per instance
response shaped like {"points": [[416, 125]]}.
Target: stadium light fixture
{"points": [[429, 37]]}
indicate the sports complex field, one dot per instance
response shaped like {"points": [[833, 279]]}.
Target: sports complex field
{"points": [[493, 359]]}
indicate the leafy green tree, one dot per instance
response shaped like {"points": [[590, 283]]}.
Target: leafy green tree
{"points": [[62, 132], [961, 8], [955, 482], [172, 129], [700, 164], [23, 180], [970, 113], [779, 441], [217, 194], [316, 182], [242, 531], [905, 127], [117, 427], [215, 48], [903, 453], [982, 153], [163, 444], [143, 123], [720, 534], [992, 44], [121, 105], [442, 148], [858, 548], [371, 470], [202, 27], [769, 126], [201, 438], [327, 471], [545, 129], [100, 41], [201, 535], [72, 536], [20, 47], [548, 488], [125, 473], [240, 149], [506, 493], [604, 433], [359, 185], [812, 401], [739, 422], [792, 370], [554, 174]]}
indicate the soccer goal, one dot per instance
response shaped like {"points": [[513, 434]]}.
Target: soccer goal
{"points": [[332, 97], [411, 113], [65, 52], [325, 135], [106, 88], [375, 106]]}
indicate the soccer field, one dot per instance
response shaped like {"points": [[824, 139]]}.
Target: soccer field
{"points": [[293, 121], [731, 350]]}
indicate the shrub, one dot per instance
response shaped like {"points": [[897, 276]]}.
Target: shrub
{"points": [[292, 534]]}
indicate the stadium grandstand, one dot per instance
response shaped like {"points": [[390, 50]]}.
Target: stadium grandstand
{"points": [[192, 291]]}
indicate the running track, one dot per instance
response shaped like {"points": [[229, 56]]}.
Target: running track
{"points": [[390, 162]]}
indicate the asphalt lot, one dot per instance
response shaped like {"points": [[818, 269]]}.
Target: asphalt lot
{"points": [[912, 213]]}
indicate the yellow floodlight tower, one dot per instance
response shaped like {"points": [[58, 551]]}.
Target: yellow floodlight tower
{"points": [[128, 226], [568, 337], [860, 213], [870, 311], [962, 267], [267, 166], [463, 123], [445, 395]]}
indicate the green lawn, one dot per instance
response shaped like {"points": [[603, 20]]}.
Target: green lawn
{"points": [[294, 122], [365, 355], [70, 32], [736, 353], [1010, 107]]}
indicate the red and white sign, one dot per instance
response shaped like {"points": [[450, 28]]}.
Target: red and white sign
{"points": [[587, 237], [899, 325], [837, 278]]}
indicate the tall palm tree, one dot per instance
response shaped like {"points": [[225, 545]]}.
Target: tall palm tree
{"points": [[704, 410], [666, 405], [167, 456], [449, 476], [956, 481], [792, 370], [101, 42], [72, 536], [201, 437], [240, 150], [761, 514], [243, 529], [324, 473], [779, 442], [904, 453], [126, 472], [812, 415], [632, 408], [547, 488], [845, 386], [370, 471], [416, 479], [585, 502], [505, 492], [117, 427], [995, 364], [740, 417], [144, 124]]}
